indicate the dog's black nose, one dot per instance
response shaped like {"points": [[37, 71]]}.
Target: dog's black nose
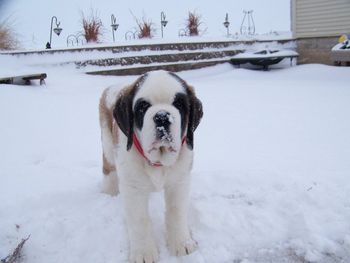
{"points": [[162, 119]]}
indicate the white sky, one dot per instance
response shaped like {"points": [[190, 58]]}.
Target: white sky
{"points": [[31, 18]]}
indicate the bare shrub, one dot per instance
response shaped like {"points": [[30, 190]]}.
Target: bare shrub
{"points": [[92, 27], [192, 23], [8, 38], [145, 27]]}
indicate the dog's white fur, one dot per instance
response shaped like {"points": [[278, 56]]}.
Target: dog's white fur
{"points": [[136, 178]]}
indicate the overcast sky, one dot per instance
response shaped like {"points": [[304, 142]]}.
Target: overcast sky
{"points": [[31, 18]]}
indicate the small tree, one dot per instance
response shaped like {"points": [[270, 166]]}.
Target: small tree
{"points": [[192, 23], [92, 27]]}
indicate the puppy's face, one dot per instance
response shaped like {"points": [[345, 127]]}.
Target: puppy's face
{"points": [[162, 111]]}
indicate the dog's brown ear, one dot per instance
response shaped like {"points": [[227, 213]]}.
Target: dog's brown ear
{"points": [[195, 115], [123, 112]]}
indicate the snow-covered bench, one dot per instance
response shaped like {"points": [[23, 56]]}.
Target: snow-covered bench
{"points": [[23, 79], [263, 58]]}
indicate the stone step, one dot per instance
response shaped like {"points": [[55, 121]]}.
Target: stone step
{"points": [[139, 58], [151, 46], [158, 58], [173, 67]]}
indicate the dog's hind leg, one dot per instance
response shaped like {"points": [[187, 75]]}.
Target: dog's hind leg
{"points": [[109, 137]]}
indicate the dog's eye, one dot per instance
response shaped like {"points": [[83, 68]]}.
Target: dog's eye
{"points": [[180, 102], [140, 109], [141, 106]]}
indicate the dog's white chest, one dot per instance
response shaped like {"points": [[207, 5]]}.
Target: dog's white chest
{"points": [[157, 177]]}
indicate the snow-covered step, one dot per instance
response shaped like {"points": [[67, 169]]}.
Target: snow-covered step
{"points": [[124, 59], [174, 67], [153, 46], [158, 58]]}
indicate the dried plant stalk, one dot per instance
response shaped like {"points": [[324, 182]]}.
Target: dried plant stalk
{"points": [[192, 23], [145, 27], [92, 27], [8, 38], [16, 254]]}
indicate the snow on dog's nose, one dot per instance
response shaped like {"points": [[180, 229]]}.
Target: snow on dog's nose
{"points": [[163, 120]]}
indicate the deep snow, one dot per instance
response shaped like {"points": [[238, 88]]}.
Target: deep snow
{"points": [[270, 178]]}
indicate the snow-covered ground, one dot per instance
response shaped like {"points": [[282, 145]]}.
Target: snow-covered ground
{"points": [[270, 179]]}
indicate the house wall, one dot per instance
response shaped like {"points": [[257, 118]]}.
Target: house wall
{"points": [[317, 25], [320, 18]]}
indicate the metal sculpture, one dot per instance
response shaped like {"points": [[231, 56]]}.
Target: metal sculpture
{"points": [[248, 26]]}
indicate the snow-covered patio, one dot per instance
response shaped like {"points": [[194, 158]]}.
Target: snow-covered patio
{"points": [[270, 179]]}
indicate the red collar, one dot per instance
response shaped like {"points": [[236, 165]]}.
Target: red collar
{"points": [[142, 153]]}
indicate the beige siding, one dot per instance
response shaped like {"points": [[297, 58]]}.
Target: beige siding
{"points": [[319, 18]]}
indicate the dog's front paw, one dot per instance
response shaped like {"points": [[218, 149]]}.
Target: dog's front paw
{"points": [[183, 248], [148, 254]]}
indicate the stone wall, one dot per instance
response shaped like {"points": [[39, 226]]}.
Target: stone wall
{"points": [[316, 50], [181, 46]]}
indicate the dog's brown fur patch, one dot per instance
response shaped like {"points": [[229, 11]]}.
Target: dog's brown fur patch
{"points": [[106, 120]]}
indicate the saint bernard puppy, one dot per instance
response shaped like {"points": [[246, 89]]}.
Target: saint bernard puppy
{"points": [[147, 137]]}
